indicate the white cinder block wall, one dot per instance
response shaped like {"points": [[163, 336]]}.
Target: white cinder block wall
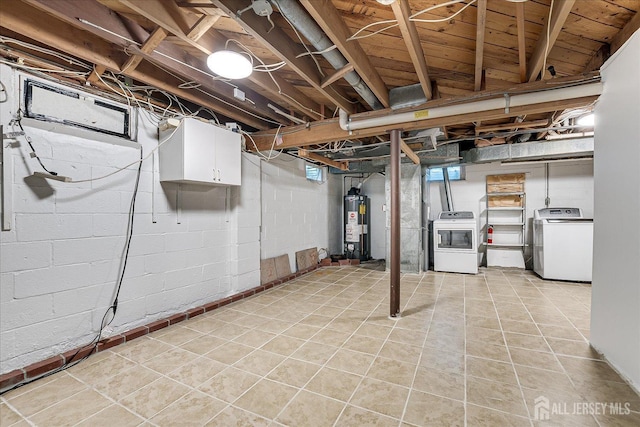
{"points": [[297, 213], [60, 260]]}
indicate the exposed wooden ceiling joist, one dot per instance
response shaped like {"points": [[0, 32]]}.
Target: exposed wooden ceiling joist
{"points": [[175, 20], [623, 35], [202, 26], [329, 19], [280, 44], [409, 152], [402, 12], [481, 23], [344, 166], [548, 37], [147, 47], [522, 42]]}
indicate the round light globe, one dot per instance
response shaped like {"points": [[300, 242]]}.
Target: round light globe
{"points": [[230, 64]]}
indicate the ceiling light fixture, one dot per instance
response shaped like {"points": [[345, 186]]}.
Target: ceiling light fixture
{"points": [[587, 120], [517, 1], [230, 64], [385, 2]]}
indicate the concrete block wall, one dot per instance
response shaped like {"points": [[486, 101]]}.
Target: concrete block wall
{"points": [[59, 262], [297, 213]]}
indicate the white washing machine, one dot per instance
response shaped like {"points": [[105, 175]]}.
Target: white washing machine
{"points": [[455, 246], [562, 244]]}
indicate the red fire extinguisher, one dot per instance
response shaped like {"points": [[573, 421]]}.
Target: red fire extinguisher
{"points": [[490, 234]]}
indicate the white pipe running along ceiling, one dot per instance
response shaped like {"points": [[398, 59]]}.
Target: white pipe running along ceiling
{"points": [[519, 100]]}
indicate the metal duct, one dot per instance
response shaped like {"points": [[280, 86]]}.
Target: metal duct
{"points": [[545, 150], [303, 22]]}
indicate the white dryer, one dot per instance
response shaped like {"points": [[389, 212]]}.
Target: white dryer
{"points": [[562, 244], [455, 246]]}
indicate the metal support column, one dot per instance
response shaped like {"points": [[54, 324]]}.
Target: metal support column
{"points": [[394, 308]]}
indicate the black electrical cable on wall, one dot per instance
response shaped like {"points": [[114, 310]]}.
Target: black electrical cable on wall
{"points": [[114, 306]]}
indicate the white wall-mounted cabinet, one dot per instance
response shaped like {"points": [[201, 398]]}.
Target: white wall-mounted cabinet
{"points": [[197, 152]]}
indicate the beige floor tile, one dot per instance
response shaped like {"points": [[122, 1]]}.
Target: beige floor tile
{"points": [[229, 384], [203, 344], [303, 332], [481, 417], [293, 372], [283, 345], [197, 372], [608, 391], [229, 331], [170, 360], [95, 373], [588, 369], [535, 359], [333, 383], [259, 362], [491, 370], [154, 397], [72, 410], [331, 337], [39, 398], [351, 361], [441, 383], [142, 349], [483, 322], [179, 335], [427, 409], [392, 371], [254, 338], [573, 348], [194, 409], [229, 353], [310, 410], [363, 344], [274, 326], [561, 332], [529, 342], [487, 351], [381, 397], [353, 416], [528, 328], [206, 324], [126, 382], [541, 379], [114, 414], [494, 395], [484, 335], [401, 352], [8, 416], [237, 417], [407, 336], [314, 353], [266, 398], [443, 360]]}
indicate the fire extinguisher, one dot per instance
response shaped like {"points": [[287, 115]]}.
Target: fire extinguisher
{"points": [[490, 234]]}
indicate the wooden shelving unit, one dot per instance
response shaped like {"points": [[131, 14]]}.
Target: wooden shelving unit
{"points": [[506, 214]]}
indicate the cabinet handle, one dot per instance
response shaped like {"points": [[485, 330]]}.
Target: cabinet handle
{"points": [[218, 174]]}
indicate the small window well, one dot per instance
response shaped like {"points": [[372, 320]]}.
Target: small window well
{"points": [[456, 173], [314, 173]]}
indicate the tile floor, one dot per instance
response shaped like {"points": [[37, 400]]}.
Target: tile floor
{"points": [[321, 351]]}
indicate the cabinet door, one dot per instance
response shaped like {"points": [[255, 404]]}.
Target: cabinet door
{"points": [[199, 152], [228, 157]]}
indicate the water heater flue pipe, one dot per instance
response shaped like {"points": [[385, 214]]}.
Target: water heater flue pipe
{"points": [[506, 102]]}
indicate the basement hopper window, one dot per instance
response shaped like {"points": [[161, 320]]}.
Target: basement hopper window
{"points": [[314, 173], [456, 173], [61, 105]]}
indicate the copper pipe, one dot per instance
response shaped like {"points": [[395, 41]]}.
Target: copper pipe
{"points": [[394, 309]]}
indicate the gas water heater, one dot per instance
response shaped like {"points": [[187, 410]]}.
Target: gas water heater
{"points": [[357, 242]]}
